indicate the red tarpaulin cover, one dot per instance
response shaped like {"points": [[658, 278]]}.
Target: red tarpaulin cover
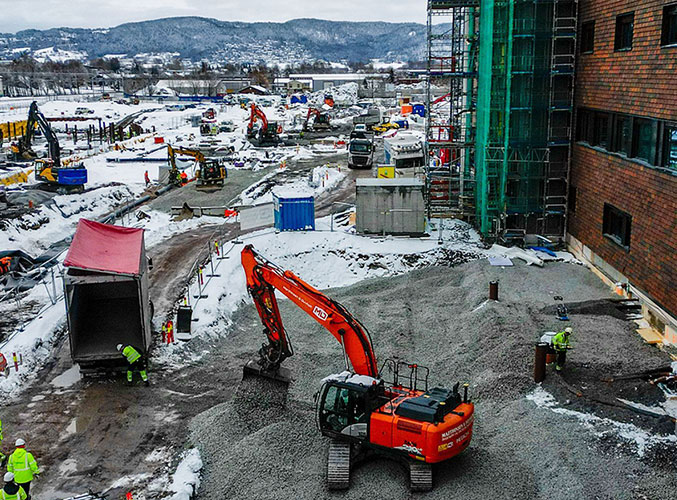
{"points": [[102, 247]]}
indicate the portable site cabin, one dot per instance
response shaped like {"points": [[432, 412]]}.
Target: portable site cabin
{"points": [[403, 151], [107, 296]]}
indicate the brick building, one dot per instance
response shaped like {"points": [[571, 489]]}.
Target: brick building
{"points": [[623, 184]]}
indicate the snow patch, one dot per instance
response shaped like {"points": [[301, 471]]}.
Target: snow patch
{"points": [[602, 427], [186, 479]]}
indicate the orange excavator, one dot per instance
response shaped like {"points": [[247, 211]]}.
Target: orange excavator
{"points": [[321, 122], [365, 410], [267, 134]]}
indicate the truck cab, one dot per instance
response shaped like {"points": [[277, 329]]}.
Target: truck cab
{"points": [[360, 151]]}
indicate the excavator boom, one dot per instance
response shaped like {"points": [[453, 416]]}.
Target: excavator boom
{"points": [[264, 277]]}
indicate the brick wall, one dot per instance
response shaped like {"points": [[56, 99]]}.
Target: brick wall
{"points": [[642, 81], [650, 197]]}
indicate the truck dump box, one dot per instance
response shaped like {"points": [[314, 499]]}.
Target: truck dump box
{"points": [[107, 297]]}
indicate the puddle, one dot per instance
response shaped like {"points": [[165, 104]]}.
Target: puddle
{"points": [[67, 378]]}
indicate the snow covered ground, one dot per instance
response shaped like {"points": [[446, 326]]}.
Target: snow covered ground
{"points": [[323, 258]]}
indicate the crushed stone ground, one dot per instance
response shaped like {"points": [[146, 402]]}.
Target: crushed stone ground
{"points": [[263, 442]]}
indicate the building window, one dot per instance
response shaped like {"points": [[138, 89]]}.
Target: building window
{"points": [[616, 226], [584, 126], [588, 37], [644, 140], [624, 28], [601, 130], [622, 142], [669, 32], [670, 147]]}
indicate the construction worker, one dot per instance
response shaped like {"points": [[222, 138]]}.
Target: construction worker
{"points": [[11, 490], [170, 332], [146, 178], [136, 363], [560, 344], [184, 178], [24, 467], [164, 332], [2, 455]]}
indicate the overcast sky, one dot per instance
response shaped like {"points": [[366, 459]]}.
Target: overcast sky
{"points": [[40, 14]]}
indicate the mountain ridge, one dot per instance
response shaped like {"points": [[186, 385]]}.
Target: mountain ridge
{"points": [[202, 38]]}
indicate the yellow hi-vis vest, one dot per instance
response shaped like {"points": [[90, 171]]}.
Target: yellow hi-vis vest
{"points": [[23, 465], [19, 495], [131, 354]]}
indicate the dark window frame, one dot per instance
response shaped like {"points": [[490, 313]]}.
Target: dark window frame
{"points": [[599, 139], [666, 153], [619, 144], [587, 37], [636, 140], [621, 44], [669, 26], [617, 226]]}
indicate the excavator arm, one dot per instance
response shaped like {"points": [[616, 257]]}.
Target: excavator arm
{"points": [[35, 117], [172, 152], [257, 113], [264, 277]]}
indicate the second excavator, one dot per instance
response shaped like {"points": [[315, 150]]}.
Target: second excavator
{"points": [[210, 173], [322, 120], [365, 410], [55, 173], [268, 134]]}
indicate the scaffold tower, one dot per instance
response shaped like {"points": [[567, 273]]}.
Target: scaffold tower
{"points": [[502, 146], [450, 128]]}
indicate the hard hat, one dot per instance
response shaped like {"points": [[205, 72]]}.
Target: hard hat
{"points": [[568, 329], [9, 477], [20, 442], [119, 347]]}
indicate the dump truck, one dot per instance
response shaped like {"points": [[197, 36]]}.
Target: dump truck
{"points": [[370, 119], [107, 296]]}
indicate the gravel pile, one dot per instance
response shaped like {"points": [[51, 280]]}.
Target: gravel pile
{"points": [[264, 443]]}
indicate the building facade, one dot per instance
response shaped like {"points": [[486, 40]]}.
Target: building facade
{"points": [[623, 181]]}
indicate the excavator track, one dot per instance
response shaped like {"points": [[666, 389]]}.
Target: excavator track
{"points": [[420, 476], [338, 465]]}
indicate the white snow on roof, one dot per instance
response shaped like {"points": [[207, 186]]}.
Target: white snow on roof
{"points": [[338, 77]]}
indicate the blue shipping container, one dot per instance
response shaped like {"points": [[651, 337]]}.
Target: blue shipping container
{"points": [[294, 214]]}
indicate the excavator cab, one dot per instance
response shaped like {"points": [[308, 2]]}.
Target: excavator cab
{"points": [[343, 407]]}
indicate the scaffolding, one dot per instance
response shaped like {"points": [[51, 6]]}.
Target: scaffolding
{"points": [[450, 128], [509, 68]]}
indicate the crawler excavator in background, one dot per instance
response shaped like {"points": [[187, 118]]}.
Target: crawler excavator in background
{"points": [[321, 122], [210, 173], [365, 411], [268, 134], [56, 174]]}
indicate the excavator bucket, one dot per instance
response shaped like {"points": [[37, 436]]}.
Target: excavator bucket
{"points": [[254, 369]]}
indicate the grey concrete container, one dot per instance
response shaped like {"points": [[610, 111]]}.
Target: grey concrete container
{"points": [[390, 206]]}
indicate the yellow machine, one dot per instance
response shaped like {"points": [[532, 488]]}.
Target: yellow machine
{"points": [[209, 173], [385, 126]]}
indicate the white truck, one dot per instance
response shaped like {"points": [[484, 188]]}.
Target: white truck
{"points": [[361, 150]]}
